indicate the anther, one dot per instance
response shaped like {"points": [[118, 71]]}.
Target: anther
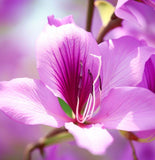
{"points": [[81, 68], [90, 105], [100, 82], [80, 78], [91, 78]]}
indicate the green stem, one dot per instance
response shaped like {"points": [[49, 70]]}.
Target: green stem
{"points": [[90, 12], [61, 137], [133, 150], [56, 136]]}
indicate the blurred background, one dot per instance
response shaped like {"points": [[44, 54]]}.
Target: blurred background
{"points": [[21, 22]]}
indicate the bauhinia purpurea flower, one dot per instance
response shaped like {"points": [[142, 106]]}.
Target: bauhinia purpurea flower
{"points": [[94, 80]]}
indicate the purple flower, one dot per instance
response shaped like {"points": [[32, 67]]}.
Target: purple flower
{"points": [[93, 80], [148, 80], [137, 21], [147, 2]]}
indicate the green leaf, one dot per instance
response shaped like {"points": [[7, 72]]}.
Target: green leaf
{"points": [[106, 10], [66, 107]]}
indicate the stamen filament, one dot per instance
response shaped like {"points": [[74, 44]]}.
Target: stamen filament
{"points": [[86, 111], [88, 106], [94, 95], [77, 109], [80, 80], [91, 101]]}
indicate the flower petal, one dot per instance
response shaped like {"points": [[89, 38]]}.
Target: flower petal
{"points": [[150, 3], [93, 138], [148, 80], [123, 62], [137, 20], [128, 108], [145, 136], [135, 12], [65, 61], [31, 102], [59, 22], [120, 3], [116, 33]]}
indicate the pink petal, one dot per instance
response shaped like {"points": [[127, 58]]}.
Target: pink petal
{"points": [[116, 33], [150, 3], [59, 22], [137, 20], [148, 80], [135, 12], [123, 62], [30, 102], [65, 61], [120, 3], [148, 135], [93, 138], [128, 108]]}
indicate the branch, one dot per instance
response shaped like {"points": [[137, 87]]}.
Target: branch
{"points": [[114, 22], [133, 150], [90, 12], [58, 135]]}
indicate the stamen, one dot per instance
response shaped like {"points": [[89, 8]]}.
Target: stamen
{"points": [[77, 109], [90, 105], [80, 79], [91, 76], [100, 83], [98, 74], [94, 95], [86, 111]]}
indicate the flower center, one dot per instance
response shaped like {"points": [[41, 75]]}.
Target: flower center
{"points": [[91, 101]]}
